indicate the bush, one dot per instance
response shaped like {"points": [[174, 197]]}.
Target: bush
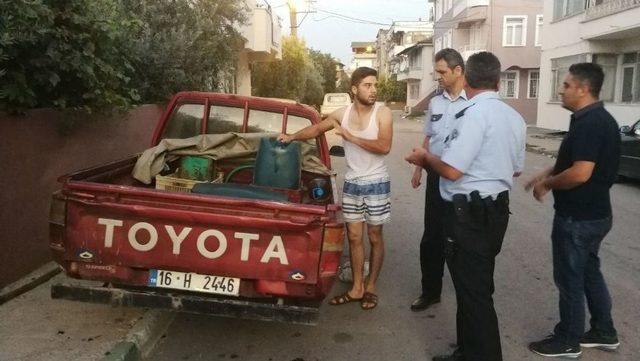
{"points": [[97, 54], [295, 77]]}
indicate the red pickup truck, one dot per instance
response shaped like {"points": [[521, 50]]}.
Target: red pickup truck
{"points": [[202, 253]]}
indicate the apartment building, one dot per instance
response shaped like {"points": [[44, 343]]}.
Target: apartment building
{"points": [[363, 54], [262, 35], [400, 36], [416, 69], [405, 52], [511, 29], [606, 32]]}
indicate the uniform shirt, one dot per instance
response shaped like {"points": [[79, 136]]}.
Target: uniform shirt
{"points": [[593, 136], [487, 146], [441, 119]]}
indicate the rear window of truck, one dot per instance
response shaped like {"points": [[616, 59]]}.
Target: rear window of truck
{"points": [[186, 121]]}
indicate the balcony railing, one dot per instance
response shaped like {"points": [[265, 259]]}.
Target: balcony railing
{"points": [[460, 5], [609, 7]]}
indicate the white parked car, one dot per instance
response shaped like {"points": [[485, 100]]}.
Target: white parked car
{"points": [[333, 102]]}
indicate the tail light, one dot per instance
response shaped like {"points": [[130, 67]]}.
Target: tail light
{"points": [[332, 245]]}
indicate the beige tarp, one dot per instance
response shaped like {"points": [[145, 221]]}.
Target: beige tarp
{"points": [[236, 147]]}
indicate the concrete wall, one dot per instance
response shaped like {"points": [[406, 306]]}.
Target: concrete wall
{"points": [[564, 37], [528, 108], [489, 37], [33, 154], [527, 56]]}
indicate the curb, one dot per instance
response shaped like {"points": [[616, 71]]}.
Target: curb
{"points": [[535, 149], [29, 282], [142, 337]]}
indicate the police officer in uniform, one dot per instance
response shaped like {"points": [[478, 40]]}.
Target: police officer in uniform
{"points": [[481, 156], [449, 67]]}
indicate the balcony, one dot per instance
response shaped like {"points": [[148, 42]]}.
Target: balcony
{"points": [[611, 20], [409, 74], [467, 50], [262, 34], [464, 7], [609, 7]]}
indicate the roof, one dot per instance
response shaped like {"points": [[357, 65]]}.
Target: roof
{"points": [[362, 44], [417, 45]]}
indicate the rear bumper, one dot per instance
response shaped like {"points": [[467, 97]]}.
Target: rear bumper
{"points": [[224, 307]]}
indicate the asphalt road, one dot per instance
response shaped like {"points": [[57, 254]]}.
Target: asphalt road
{"points": [[525, 298]]}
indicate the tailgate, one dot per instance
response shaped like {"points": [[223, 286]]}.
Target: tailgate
{"points": [[208, 235]]}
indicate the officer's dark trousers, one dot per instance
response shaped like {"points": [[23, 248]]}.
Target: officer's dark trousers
{"points": [[477, 229], [432, 243]]}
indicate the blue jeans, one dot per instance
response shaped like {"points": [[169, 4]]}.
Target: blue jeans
{"points": [[576, 271]]}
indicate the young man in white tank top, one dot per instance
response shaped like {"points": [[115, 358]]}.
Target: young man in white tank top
{"points": [[367, 131]]}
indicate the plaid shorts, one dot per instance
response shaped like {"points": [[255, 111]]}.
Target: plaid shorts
{"points": [[367, 200]]}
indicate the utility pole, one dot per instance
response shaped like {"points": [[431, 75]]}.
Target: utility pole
{"points": [[293, 14], [293, 18]]}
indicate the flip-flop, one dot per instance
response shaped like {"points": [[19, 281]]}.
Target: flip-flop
{"points": [[343, 299], [370, 299]]}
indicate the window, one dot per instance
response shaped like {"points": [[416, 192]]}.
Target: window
{"points": [[563, 8], [559, 69], [224, 119], [609, 63], [538, 30], [294, 124], [185, 122], [446, 39], [414, 91], [261, 121], [415, 59], [514, 31], [630, 78], [509, 84], [534, 84]]}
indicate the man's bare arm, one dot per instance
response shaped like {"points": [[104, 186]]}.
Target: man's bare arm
{"points": [[314, 130], [538, 177], [382, 145]]}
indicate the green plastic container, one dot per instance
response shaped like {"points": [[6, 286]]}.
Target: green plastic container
{"points": [[197, 168], [278, 165]]}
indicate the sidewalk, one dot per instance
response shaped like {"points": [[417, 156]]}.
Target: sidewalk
{"points": [[539, 140], [544, 141], [35, 327]]}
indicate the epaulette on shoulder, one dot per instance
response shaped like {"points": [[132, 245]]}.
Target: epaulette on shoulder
{"points": [[460, 114]]}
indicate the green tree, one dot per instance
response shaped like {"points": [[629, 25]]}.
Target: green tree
{"points": [[184, 45], [64, 53], [103, 53], [294, 77], [326, 65], [344, 86], [390, 89]]}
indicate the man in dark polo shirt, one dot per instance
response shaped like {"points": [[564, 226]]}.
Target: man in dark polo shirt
{"points": [[585, 170]]}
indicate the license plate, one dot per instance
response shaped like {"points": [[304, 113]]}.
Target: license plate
{"points": [[194, 282]]}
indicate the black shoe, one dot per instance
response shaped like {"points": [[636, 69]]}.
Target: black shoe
{"points": [[455, 356], [550, 347], [422, 303], [593, 338]]}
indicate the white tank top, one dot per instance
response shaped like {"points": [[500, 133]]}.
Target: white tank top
{"points": [[360, 162]]}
